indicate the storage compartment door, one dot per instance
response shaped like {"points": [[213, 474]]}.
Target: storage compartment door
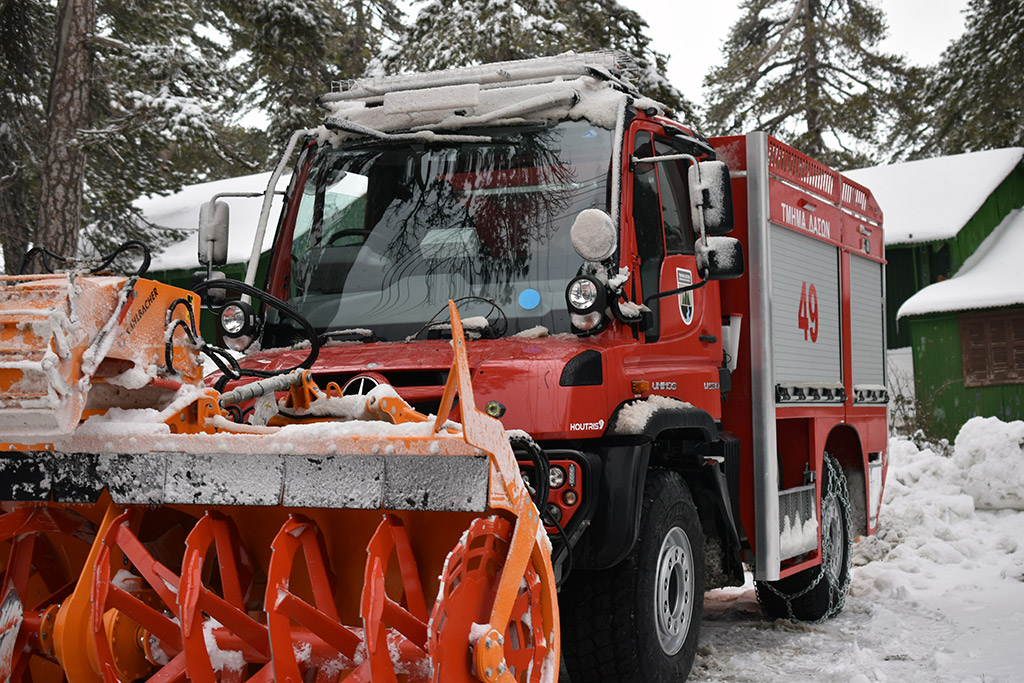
{"points": [[867, 330], [805, 312]]}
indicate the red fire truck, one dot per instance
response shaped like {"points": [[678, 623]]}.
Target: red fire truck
{"points": [[691, 331]]}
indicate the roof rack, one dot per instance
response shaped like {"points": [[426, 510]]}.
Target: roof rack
{"points": [[605, 65]]}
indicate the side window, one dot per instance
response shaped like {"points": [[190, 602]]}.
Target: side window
{"points": [[647, 222], [674, 202]]}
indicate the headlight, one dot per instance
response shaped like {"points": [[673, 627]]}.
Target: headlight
{"points": [[585, 299], [586, 322], [232, 319], [582, 294], [237, 319], [556, 476], [240, 343], [585, 295]]}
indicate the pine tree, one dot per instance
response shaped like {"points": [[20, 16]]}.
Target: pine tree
{"points": [[149, 92], [974, 97], [296, 49], [161, 99], [809, 72], [448, 33], [26, 28]]}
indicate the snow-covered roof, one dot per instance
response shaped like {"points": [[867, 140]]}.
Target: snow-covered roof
{"points": [[988, 279], [180, 211], [932, 199]]}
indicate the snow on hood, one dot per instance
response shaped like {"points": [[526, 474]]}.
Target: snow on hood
{"points": [[932, 199], [988, 279], [180, 211]]}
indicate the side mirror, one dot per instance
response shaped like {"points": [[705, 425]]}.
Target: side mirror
{"points": [[213, 233], [721, 258], [594, 235], [711, 197]]}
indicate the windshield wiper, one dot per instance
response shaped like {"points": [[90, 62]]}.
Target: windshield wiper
{"points": [[476, 327]]}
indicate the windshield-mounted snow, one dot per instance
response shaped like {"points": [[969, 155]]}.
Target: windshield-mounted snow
{"points": [[387, 233]]}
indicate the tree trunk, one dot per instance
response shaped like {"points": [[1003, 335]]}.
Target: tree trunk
{"points": [[61, 184], [815, 145]]}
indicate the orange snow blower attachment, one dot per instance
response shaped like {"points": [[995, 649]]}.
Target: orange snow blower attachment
{"points": [[73, 345], [168, 541]]}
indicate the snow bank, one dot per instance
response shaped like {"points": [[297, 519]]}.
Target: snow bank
{"points": [[931, 505], [990, 456], [937, 594]]}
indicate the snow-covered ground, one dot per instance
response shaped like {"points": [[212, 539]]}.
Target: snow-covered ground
{"points": [[937, 595]]}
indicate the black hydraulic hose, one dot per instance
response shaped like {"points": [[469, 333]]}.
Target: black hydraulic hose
{"points": [[269, 299], [181, 301], [224, 361], [542, 488], [130, 244], [541, 468], [566, 550], [46, 255]]}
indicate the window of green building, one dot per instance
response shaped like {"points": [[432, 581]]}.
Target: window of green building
{"points": [[993, 347]]}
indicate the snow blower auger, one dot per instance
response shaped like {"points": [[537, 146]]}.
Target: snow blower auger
{"points": [[147, 534]]}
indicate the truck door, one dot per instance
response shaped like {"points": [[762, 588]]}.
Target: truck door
{"points": [[682, 330]]}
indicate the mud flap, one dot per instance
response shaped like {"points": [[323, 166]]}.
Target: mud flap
{"points": [[10, 625]]}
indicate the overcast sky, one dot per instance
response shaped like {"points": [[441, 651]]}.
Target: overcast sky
{"points": [[692, 32]]}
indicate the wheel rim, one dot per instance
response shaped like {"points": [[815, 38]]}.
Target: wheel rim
{"points": [[673, 594], [832, 538]]}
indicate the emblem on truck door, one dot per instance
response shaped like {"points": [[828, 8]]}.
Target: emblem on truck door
{"points": [[684, 278]]}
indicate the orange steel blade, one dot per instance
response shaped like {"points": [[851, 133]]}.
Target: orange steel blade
{"points": [[215, 530], [11, 618], [487, 434], [72, 632], [379, 610]]}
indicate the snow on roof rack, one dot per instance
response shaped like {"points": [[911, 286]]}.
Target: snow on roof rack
{"points": [[605, 65]]}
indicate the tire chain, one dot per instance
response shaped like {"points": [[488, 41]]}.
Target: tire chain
{"points": [[835, 604]]}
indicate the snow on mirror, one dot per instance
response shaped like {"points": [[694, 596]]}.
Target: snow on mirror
{"points": [[711, 197], [719, 258], [213, 233], [593, 235]]}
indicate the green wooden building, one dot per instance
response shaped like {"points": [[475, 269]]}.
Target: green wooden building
{"points": [[937, 212], [179, 211], [954, 232]]}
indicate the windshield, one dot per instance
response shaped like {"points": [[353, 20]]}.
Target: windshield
{"points": [[387, 233]]}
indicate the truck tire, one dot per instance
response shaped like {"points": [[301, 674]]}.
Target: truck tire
{"points": [[639, 620], [817, 593]]}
